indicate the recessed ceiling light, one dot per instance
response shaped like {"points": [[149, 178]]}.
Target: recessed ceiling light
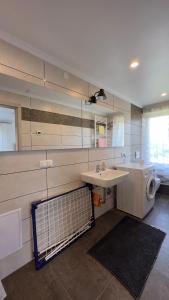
{"points": [[164, 94], [134, 64]]}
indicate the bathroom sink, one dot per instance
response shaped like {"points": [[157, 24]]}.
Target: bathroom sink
{"points": [[105, 179]]}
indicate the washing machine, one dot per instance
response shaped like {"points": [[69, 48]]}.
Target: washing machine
{"points": [[136, 194]]}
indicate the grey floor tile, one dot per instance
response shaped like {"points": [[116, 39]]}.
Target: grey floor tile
{"points": [[115, 291], [157, 287], [77, 276], [83, 277], [28, 284]]}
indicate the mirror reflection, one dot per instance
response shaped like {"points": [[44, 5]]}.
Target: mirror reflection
{"points": [[106, 127], [117, 130], [8, 137], [38, 118], [52, 125]]}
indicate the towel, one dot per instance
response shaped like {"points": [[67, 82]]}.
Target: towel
{"points": [[96, 199], [101, 129], [102, 142]]}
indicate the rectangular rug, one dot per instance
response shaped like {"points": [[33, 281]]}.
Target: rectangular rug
{"points": [[129, 251]]}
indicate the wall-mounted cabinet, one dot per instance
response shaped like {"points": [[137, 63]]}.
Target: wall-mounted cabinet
{"points": [[64, 79], [20, 64]]}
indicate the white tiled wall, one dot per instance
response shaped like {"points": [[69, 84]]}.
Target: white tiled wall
{"points": [[136, 134], [22, 181]]}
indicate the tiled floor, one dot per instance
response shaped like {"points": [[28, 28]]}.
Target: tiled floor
{"points": [[75, 275]]}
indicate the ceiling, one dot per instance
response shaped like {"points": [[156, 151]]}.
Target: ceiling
{"points": [[97, 40]]}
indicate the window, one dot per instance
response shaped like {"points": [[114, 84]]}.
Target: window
{"points": [[158, 139], [156, 144], [118, 131]]}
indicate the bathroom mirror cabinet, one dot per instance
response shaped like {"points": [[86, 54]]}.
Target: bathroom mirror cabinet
{"points": [[34, 117]]}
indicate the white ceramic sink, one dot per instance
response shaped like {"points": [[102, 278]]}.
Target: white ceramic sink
{"points": [[105, 179]]}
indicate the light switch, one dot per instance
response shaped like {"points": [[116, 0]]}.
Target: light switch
{"points": [[44, 164], [50, 163]]}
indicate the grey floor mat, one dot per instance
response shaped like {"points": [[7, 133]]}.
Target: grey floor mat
{"points": [[129, 251]]}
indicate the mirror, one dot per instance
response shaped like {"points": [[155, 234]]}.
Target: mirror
{"points": [[35, 117], [106, 127]]}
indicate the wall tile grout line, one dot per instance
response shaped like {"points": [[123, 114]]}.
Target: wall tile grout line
{"points": [[23, 171], [106, 285], [20, 71], [63, 165], [65, 289], [37, 169], [10, 199], [64, 184]]}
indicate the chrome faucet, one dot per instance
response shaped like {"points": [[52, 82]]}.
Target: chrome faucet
{"points": [[97, 168], [103, 166]]}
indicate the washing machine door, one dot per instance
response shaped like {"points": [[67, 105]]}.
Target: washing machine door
{"points": [[151, 188]]}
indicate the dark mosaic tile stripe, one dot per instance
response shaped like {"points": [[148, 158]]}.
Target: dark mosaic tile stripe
{"points": [[35, 115], [86, 123], [26, 115]]}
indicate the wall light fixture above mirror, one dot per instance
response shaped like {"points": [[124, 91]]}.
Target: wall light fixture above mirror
{"points": [[99, 95]]}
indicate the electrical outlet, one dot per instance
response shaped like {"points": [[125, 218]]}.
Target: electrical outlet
{"points": [[38, 132]]}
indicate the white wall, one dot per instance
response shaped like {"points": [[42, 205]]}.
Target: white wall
{"points": [[22, 181]]}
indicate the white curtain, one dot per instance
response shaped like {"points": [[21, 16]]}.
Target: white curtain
{"points": [[156, 140]]}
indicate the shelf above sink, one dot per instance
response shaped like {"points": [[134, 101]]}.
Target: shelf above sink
{"points": [[105, 179]]}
